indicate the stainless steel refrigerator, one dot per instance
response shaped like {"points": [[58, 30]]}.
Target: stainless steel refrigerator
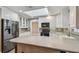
{"points": [[10, 30]]}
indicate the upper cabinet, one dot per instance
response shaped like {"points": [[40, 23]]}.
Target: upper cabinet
{"points": [[62, 19], [59, 21], [24, 22], [74, 17]]}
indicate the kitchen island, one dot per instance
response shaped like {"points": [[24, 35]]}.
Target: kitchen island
{"points": [[43, 44]]}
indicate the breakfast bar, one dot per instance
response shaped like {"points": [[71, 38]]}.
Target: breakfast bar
{"points": [[42, 44]]}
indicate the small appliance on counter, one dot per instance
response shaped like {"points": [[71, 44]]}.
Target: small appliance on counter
{"points": [[10, 29], [45, 29]]}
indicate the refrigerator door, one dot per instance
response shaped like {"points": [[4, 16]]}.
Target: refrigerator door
{"points": [[8, 32], [15, 29]]}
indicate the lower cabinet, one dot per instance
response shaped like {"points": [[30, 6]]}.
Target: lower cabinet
{"points": [[25, 48]]}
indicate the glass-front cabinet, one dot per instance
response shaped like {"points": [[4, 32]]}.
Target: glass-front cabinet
{"points": [[24, 23]]}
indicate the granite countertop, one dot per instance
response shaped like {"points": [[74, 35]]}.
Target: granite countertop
{"points": [[58, 42]]}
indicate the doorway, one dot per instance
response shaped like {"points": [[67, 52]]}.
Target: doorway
{"points": [[35, 28]]}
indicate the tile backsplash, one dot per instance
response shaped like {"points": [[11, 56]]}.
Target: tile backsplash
{"points": [[22, 30]]}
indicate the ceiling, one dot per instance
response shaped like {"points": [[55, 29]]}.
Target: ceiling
{"points": [[37, 12], [32, 11], [25, 8], [56, 9]]}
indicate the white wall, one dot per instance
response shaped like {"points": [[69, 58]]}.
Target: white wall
{"points": [[10, 15], [52, 22]]}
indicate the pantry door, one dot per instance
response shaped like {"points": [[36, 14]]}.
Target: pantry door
{"points": [[35, 27]]}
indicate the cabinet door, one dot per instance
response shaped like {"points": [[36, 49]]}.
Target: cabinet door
{"points": [[77, 17], [23, 22], [26, 23], [20, 22], [59, 21], [73, 17], [19, 48]]}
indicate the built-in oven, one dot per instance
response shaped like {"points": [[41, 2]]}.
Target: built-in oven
{"points": [[45, 29]]}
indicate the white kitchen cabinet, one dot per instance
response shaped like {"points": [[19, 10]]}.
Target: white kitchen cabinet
{"points": [[24, 23], [59, 21], [62, 19], [73, 17]]}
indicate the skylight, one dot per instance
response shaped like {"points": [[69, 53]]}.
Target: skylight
{"points": [[38, 12]]}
